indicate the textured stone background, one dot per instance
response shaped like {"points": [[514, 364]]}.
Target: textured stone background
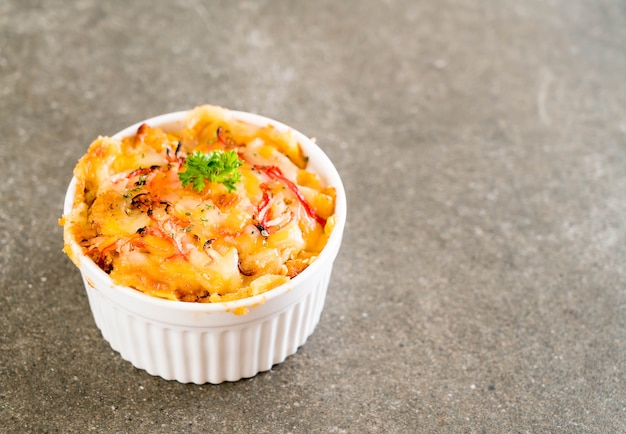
{"points": [[481, 284]]}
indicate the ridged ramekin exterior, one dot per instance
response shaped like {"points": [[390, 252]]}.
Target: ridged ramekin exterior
{"points": [[210, 354], [210, 343]]}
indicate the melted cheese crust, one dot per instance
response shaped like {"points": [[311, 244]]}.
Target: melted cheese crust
{"points": [[133, 217]]}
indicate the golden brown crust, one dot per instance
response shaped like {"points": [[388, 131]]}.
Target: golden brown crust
{"points": [[135, 219]]}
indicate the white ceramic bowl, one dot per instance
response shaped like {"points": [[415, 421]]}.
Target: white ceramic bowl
{"points": [[207, 342]]}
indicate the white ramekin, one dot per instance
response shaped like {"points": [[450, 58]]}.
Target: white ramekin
{"points": [[208, 342]]}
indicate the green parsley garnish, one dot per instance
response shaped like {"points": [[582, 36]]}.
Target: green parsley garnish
{"points": [[215, 166]]}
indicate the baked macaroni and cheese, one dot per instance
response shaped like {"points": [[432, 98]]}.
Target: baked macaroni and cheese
{"points": [[219, 210]]}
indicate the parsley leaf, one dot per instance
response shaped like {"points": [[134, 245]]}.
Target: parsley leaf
{"points": [[215, 166]]}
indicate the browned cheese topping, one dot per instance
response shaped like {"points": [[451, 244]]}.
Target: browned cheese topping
{"points": [[217, 211]]}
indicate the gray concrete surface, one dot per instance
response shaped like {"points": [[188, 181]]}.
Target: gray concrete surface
{"points": [[481, 284]]}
